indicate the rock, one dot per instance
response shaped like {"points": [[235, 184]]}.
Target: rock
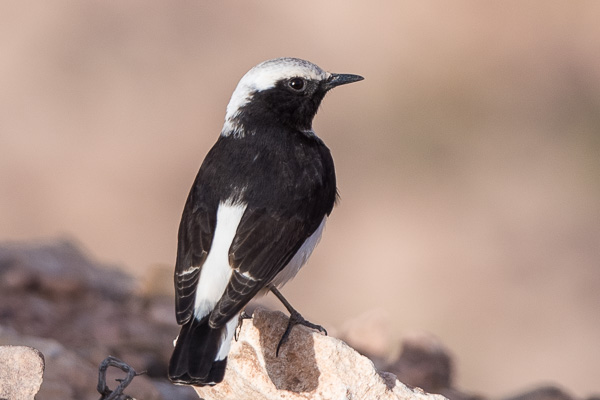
{"points": [[455, 394], [543, 393], [54, 290], [170, 391], [71, 377], [56, 298], [309, 366], [424, 362], [21, 372], [59, 268]]}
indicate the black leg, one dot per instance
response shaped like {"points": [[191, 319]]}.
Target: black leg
{"points": [[295, 319], [238, 328]]}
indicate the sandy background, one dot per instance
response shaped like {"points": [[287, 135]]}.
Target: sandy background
{"points": [[468, 160]]}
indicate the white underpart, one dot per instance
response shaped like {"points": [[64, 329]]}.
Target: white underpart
{"points": [[216, 270], [262, 77], [230, 328], [300, 258]]}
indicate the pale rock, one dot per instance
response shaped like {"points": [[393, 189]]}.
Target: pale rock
{"points": [[68, 376], [310, 366], [21, 372]]}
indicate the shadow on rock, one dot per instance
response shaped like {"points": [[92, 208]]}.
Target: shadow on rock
{"points": [[295, 369]]}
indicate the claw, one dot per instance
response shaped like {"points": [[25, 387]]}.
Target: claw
{"points": [[238, 328], [296, 319]]}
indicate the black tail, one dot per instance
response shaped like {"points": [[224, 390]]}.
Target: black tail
{"points": [[193, 360]]}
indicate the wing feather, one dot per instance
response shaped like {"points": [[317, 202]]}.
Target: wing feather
{"points": [[264, 244], [195, 238]]}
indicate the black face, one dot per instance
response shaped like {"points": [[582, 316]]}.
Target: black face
{"points": [[293, 102]]}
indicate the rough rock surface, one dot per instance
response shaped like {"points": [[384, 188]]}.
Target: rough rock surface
{"points": [[77, 312], [309, 366], [21, 371], [70, 376]]}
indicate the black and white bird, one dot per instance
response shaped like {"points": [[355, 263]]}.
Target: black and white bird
{"points": [[255, 212]]}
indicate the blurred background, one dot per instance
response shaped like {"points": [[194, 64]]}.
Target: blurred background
{"points": [[468, 160]]}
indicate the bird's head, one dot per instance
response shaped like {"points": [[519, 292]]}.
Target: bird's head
{"points": [[280, 92]]}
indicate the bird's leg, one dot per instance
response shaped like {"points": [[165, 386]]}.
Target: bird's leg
{"points": [[238, 329], [295, 319]]}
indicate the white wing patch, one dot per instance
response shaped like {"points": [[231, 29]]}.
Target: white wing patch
{"points": [[216, 270], [300, 258], [262, 77]]}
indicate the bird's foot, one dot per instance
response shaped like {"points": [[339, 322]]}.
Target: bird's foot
{"points": [[238, 329], [296, 319]]}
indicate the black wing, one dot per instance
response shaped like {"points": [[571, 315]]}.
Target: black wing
{"points": [[194, 240], [265, 242], [196, 230], [282, 211]]}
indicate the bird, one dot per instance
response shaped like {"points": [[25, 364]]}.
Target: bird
{"points": [[255, 212]]}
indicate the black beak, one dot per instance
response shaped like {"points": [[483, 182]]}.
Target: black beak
{"points": [[341, 79]]}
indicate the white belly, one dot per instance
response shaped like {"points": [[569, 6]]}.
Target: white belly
{"points": [[300, 258]]}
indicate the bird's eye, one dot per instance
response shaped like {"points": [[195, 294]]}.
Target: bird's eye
{"points": [[297, 84]]}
